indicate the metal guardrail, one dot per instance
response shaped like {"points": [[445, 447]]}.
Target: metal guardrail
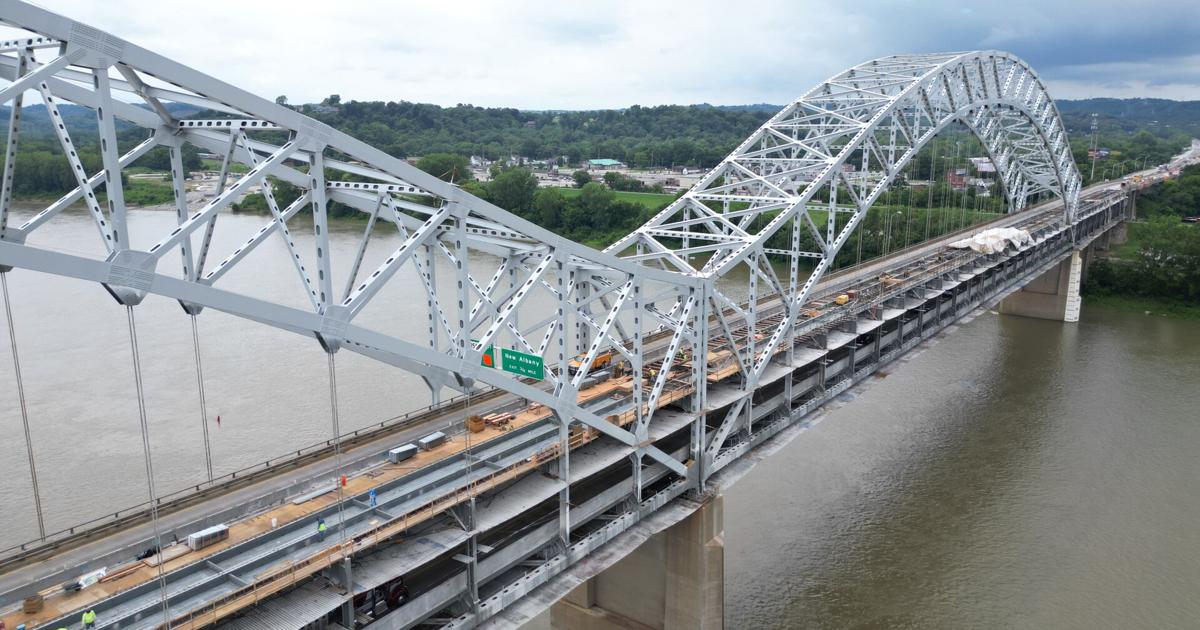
{"points": [[281, 578], [185, 495]]}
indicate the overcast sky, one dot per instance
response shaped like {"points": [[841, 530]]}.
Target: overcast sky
{"points": [[601, 54]]}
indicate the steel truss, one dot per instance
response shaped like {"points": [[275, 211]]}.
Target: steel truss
{"points": [[874, 117], [512, 284]]}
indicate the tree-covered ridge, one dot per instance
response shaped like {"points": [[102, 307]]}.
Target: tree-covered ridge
{"points": [[690, 135], [42, 170], [664, 135], [1130, 114], [1145, 130]]}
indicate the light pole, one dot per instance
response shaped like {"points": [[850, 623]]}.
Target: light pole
{"points": [[1094, 149]]}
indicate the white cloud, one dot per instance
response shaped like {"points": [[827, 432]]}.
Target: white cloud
{"points": [[546, 55]]}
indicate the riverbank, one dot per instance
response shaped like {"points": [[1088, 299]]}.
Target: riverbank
{"points": [[1158, 307], [139, 192]]}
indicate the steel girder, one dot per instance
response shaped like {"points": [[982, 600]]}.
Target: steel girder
{"points": [[511, 283]]}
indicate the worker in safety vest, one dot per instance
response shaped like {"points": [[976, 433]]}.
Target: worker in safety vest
{"points": [[321, 527], [89, 618]]}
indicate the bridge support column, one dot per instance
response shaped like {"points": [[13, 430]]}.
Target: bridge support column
{"points": [[674, 581], [1052, 295]]}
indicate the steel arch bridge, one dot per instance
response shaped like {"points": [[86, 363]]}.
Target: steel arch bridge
{"points": [[653, 297], [875, 116]]}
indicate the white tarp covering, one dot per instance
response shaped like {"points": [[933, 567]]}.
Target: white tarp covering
{"points": [[994, 240]]}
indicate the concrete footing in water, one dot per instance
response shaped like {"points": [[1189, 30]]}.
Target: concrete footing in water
{"points": [[675, 580], [1052, 295]]}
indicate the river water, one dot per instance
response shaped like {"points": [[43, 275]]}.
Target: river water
{"points": [[1018, 473]]}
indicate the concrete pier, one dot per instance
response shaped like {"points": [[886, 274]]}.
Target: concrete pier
{"points": [[674, 581], [1052, 295]]}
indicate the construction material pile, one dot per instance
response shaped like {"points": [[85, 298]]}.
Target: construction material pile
{"points": [[994, 240]]}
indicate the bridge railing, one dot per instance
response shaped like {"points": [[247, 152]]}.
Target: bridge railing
{"points": [[180, 498], [291, 573]]}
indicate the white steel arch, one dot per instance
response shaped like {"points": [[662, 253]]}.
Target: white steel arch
{"points": [[505, 269], [875, 116], [878, 114]]}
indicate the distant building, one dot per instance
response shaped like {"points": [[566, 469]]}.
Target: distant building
{"points": [[604, 164], [957, 178], [983, 167], [985, 175]]}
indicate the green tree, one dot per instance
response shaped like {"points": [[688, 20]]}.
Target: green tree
{"points": [[1168, 261], [513, 189], [446, 167], [595, 199], [617, 181], [548, 206], [475, 187], [582, 178]]}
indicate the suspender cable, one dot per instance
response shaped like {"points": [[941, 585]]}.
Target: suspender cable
{"points": [[141, 397], [907, 205], [337, 444], [12, 339], [962, 209], [203, 404], [467, 425], [862, 227], [929, 201]]}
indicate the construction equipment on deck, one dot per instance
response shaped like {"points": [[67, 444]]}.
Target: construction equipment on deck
{"points": [[401, 453], [431, 441], [602, 360], [207, 536]]}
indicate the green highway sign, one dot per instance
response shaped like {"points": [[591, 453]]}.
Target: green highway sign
{"points": [[522, 364], [488, 359]]}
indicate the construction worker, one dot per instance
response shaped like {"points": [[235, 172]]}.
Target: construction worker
{"points": [[321, 527], [89, 619], [372, 499]]}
